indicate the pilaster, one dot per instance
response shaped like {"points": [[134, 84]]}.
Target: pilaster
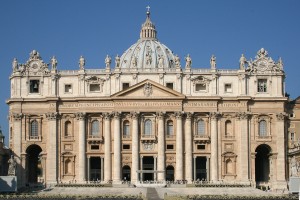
{"points": [[135, 147], [107, 148], [214, 146], [117, 148], [161, 164], [179, 149], [188, 148]]}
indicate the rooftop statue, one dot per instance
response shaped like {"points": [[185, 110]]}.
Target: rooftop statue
{"points": [[188, 61], [177, 61], [294, 167], [15, 65], [243, 61], [213, 62], [53, 63], [107, 62], [134, 62], [117, 61], [81, 63]]}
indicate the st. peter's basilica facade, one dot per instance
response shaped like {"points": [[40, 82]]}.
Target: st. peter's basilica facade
{"points": [[147, 117]]}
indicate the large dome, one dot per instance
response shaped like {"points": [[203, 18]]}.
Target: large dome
{"points": [[147, 52]]}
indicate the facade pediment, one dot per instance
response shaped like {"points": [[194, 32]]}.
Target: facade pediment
{"points": [[148, 89]]}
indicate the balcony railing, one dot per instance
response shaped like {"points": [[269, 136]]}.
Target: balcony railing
{"points": [[264, 137], [148, 138], [126, 136], [229, 137], [34, 137], [170, 136], [201, 138]]}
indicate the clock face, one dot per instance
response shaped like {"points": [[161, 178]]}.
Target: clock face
{"points": [[263, 65]]}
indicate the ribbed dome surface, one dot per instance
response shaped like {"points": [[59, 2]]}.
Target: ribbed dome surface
{"points": [[147, 52]]}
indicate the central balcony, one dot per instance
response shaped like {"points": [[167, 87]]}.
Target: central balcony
{"points": [[201, 138], [148, 138]]}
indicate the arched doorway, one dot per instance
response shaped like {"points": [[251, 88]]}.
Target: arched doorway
{"points": [[170, 173], [126, 173], [262, 164], [34, 167]]}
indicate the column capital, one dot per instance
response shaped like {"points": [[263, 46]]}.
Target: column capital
{"points": [[52, 116], [116, 114], [215, 115], [160, 115], [179, 114], [243, 115], [189, 115], [134, 115], [281, 116], [107, 116], [80, 116], [17, 116]]}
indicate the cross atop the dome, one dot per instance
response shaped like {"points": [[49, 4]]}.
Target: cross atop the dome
{"points": [[148, 10]]}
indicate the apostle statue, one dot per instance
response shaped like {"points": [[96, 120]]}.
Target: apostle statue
{"points": [[213, 63], [294, 167], [107, 62], [188, 62], [15, 65], [243, 61], [117, 61], [177, 61], [134, 62], [81, 63], [53, 63], [11, 166]]}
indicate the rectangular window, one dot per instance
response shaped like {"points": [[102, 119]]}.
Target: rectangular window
{"points": [[68, 88], [34, 86], [262, 85], [94, 87], [170, 146], [228, 87], [94, 147], [201, 146], [169, 85], [125, 86], [200, 87], [126, 146]]}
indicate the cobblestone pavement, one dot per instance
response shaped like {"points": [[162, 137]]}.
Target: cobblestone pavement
{"points": [[157, 193]]}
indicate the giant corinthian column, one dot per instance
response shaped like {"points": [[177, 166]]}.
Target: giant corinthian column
{"points": [[107, 148], [188, 148], [117, 148], [179, 149], [214, 146], [81, 147], [161, 166], [135, 147], [52, 164]]}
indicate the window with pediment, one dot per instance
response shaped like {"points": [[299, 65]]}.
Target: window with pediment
{"points": [[95, 128], [148, 127], [200, 83], [34, 129], [201, 127], [170, 128], [126, 129], [262, 131]]}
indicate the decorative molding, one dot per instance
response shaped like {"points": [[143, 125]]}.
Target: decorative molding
{"points": [[134, 115], [148, 89], [116, 114], [215, 115], [107, 116], [189, 115], [243, 115], [160, 115], [179, 114], [281, 116]]}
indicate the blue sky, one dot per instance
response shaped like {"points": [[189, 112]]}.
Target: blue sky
{"points": [[93, 28]]}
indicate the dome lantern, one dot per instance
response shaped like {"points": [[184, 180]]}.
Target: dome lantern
{"points": [[148, 28]]}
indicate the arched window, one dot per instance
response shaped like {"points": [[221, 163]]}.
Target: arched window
{"points": [[126, 129], [148, 127], [68, 128], [170, 129], [95, 128], [68, 166], [34, 129], [200, 127], [228, 128], [262, 128]]}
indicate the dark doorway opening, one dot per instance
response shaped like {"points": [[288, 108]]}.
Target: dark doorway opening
{"points": [[34, 163], [262, 164], [126, 173], [201, 172], [95, 168], [148, 164], [170, 173]]}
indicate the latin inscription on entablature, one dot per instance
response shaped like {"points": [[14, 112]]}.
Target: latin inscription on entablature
{"points": [[147, 104], [233, 105], [200, 104], [84, 105]]}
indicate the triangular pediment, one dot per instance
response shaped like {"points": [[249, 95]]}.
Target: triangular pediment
{"points": [[148, 89]]}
